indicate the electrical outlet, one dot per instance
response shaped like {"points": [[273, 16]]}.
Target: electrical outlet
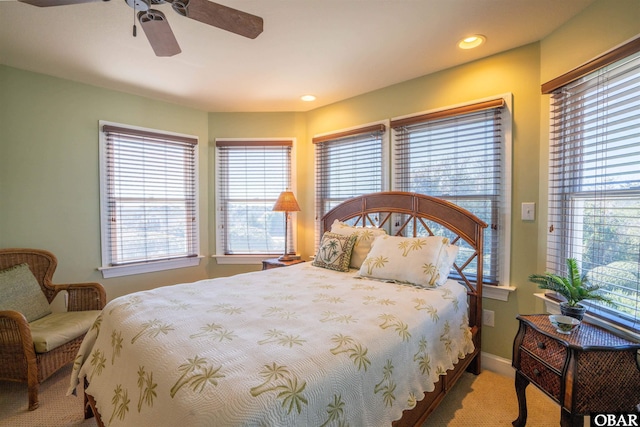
{"points": [[488, 318]]}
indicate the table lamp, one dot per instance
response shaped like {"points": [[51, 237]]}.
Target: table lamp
{"points": [[287, 203]]}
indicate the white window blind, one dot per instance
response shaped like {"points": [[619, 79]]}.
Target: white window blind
{"points": [[348, 164], [594, 183], [150, 205], [457, 155], [251, 176]]}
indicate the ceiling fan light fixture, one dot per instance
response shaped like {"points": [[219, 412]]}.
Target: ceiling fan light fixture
{"points": [[139, 5], [308, 98], [472, 41]]}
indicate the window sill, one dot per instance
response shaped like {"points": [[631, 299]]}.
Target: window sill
{"points": [[242, 259], [553, 307], [149, 267], [500, 293]]}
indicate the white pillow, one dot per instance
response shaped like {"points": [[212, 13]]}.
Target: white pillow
{"points": [[415, 260], [447, 258], [364, 239]]}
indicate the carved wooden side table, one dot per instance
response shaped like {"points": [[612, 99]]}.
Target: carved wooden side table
{"points": [[589, 370]]}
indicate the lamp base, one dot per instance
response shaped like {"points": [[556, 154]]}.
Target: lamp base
{"points": [[289, 257]]}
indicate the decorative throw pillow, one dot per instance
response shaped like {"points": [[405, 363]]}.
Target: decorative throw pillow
{"points": [[413, 260], [364, 239], [20, 291], [334, 252]]}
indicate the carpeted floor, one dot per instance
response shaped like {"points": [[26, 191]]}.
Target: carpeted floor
{"points": [[485, 400], [56, 408]]}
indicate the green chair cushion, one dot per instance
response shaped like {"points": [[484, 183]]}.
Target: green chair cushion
{"points": [[56, 329], [20, 291]]}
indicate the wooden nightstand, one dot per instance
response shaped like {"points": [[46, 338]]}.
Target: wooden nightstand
{"points": [[590, 370], [275, 263]]}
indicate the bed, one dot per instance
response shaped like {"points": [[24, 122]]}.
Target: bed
{"points": [[318, 343]]}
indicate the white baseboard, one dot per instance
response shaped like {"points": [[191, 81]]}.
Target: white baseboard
{"points": [[497, 364]]}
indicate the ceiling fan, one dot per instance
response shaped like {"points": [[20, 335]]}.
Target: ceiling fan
{"points": [[157, 29]]}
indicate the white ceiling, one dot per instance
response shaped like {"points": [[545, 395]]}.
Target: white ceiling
{"points": [[334, 49]]}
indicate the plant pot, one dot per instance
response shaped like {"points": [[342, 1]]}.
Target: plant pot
{"points": [[576, 311]]}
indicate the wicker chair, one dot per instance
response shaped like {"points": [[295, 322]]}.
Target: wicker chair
{"points": [[19, 360]]}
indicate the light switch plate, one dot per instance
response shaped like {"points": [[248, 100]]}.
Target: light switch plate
{"points": [[528, 211]]}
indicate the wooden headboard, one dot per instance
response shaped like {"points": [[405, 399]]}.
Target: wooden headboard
{"points": [[412, 215]]}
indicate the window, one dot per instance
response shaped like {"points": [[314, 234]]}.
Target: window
{"points": [[148, 200], [348, 164], [461, 154], [250, 177], [594, 181]]}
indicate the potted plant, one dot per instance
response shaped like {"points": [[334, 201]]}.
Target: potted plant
{"points": [[574, 288]]}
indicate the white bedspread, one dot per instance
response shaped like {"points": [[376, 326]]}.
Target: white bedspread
{"points": [[294, 346]]}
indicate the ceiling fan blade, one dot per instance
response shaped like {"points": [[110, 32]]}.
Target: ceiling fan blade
{"points": [[159, 33], [220, 16], [47, 3]]}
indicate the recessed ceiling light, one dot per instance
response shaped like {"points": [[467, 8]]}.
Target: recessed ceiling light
{"points": [[308, 98], [471, 41]]}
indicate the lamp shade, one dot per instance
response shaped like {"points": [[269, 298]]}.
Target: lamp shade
{"points": [[286, 203]]}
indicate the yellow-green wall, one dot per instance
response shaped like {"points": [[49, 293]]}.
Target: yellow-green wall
{"points": [[49, 179]]}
